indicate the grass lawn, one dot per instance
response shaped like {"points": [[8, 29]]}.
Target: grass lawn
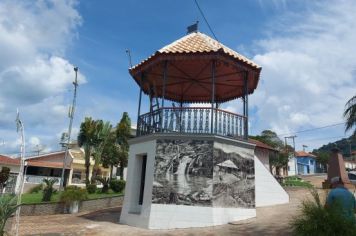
{"points": [[31, 198], [296, 182]]}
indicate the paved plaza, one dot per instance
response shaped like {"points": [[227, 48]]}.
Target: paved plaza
{"points": [[270, 221]]}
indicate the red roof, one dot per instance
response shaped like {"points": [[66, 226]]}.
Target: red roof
{"points": [[189, 61], [50, 160], [304, 154], [9, 160], [261, 144], [46, 164]]}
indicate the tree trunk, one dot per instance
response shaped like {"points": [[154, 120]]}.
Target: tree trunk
{"points": [[111, 167], [121, 172], [87, 165]]}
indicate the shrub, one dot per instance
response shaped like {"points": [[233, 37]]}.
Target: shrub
{"points": [[8, 207], [317, 220], [48, 190], [105, 183], [91, 188], [117, 185], [36, 189], [73, 193]]}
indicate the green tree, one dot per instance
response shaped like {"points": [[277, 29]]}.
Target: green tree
{"points": [[322, 157], [103, 131], [110, 154], [350, 114], [270, 138], [279, 159], [87, 138], [123, 133]]}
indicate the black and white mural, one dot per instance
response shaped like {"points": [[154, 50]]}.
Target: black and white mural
{"points": [[183, 172], [203, 173], [234, 177]]}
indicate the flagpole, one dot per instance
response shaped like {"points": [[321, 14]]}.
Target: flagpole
{"points": [[20, 179]]}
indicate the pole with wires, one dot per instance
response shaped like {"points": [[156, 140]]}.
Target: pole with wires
{"points": [[71, 116], [21, 178]]}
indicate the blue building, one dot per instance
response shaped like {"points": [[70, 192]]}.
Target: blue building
{"points": [[306, 163]]}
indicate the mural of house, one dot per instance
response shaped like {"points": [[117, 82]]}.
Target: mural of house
{"points": [[306, 163]]}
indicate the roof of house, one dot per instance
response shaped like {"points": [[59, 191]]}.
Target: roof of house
{"points": [[304, 154], [261, 144], [9, 160], [50, 160]]}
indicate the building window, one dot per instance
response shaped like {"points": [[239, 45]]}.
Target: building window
{"points": [[77, 177]]}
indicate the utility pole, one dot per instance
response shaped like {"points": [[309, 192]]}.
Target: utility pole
{"points": [[20, 179], [71, 115]]}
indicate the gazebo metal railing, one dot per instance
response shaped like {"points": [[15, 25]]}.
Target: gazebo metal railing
{"points": [[192, 120]]}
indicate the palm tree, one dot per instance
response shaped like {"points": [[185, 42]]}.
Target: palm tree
{"points": [[48, 189], [87, 138], [350, 114], [8, 206], [103, 131]]}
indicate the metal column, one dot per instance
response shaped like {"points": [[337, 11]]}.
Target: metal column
{"points": [[246, 105], [139, 107], [212, 95], [163, 93]]}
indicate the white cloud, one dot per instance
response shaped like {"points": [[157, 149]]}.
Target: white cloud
{"points": [[34, 73], [308, 64]]}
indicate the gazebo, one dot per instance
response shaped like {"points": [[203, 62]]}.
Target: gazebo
{"points": [[195, 69], [173, 170]]}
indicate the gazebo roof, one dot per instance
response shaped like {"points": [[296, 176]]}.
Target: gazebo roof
{"points": [[189, 68]]}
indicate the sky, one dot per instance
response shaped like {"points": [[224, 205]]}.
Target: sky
{"points": [[306, 49]]}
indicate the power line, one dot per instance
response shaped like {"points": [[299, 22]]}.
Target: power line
{"points": [[206, 21], [315, 139], [308, 130]]}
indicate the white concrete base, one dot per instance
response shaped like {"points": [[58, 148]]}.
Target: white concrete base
{"points": [[268, 191], [180, 216]]}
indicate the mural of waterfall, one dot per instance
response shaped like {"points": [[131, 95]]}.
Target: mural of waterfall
{"points": [[183, 172], [203, 173]]}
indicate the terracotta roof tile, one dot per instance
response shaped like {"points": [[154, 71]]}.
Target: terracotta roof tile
{"points": [[198, 42], [261, 144], [46, 164], [9, 160], [304, 154]]}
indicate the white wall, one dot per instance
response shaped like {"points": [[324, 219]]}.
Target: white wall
{"points": [[292, 167], [13, 168], [165, 216], [268, 190], [132, 213]]}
